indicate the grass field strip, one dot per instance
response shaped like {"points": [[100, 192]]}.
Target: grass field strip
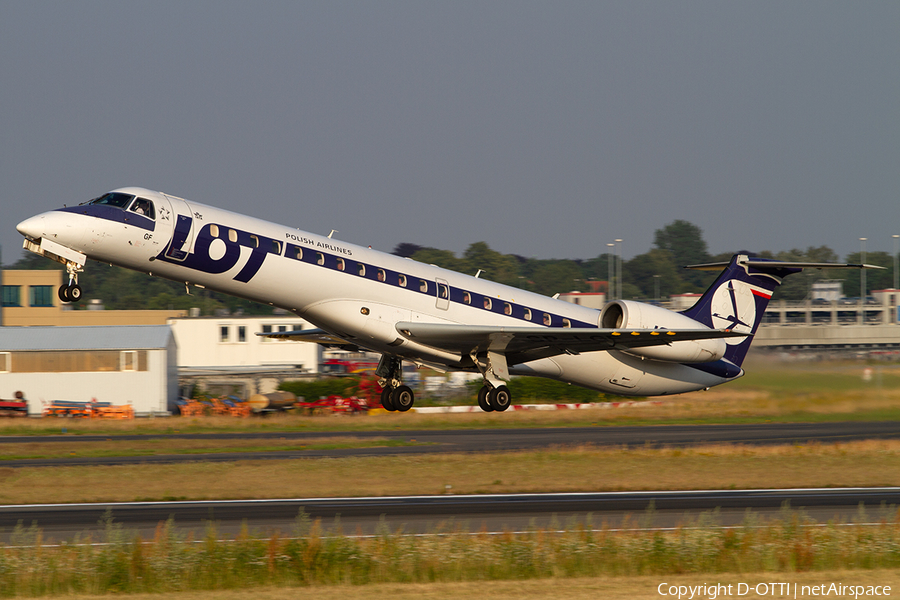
{"points": [[562, 495], [519, 532]]}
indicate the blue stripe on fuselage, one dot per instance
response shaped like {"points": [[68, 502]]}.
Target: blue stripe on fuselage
{"points": [[112, 213]]}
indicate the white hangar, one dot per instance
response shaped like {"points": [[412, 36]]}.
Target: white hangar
{"points": [[133, 364]]}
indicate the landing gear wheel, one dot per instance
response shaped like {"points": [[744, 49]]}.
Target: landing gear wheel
{"points": [[500, 398], [483, 399], [69, 293], [386, 399], [403, 398]]}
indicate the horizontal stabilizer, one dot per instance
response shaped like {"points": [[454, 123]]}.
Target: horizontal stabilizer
{"points": [[780, 264]]}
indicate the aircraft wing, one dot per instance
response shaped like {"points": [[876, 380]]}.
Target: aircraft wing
{"points": [[522, 344], [319, 336]]}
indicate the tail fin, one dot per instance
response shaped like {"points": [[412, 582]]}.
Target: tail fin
{"points": [[738, 297]]}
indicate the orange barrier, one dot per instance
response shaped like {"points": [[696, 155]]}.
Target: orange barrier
{"points": [[113, 412], [216, 406], [87, 410]]}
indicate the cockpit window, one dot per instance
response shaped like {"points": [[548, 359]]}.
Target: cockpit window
{"points": [[116, 199], [142, 206]]}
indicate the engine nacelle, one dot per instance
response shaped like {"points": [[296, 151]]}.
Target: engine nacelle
{"points": [[627, 314]]}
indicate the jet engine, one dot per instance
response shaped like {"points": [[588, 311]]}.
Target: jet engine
{"points": [[627, 314]]}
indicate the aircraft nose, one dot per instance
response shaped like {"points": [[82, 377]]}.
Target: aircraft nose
{"points": [[32, 227]]}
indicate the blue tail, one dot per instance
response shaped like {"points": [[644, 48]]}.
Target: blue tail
{"points": [[738, 298]]}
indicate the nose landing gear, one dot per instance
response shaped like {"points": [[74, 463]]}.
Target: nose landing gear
{"points": [[71, 292]]}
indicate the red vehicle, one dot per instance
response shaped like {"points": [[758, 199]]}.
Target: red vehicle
{"points": [[14, 408], [335, 404], [338, 366]]}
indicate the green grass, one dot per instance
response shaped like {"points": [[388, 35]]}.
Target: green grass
{"points": [[312, 556]]}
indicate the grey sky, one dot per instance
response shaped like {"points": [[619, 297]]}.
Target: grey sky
{"points": [[545, 129]]}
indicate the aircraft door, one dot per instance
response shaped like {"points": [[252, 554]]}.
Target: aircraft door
{"points": [[443, 294], [183, 232]]}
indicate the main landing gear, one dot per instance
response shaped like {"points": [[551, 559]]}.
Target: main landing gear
{"points": [[395, 395], [493, 395], [494, 398]]}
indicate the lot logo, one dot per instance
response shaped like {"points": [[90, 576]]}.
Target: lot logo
{"points": [[733, 306], [217, 249]]}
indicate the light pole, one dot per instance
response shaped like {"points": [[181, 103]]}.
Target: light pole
{"points": [[609, 274], [619, 274], [862, 274], [896, 260]]}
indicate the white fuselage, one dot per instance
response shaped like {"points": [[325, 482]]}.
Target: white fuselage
{"points": [[353, 292]]}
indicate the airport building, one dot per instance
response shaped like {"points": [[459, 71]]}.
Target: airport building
{"points": [[225, 354], [29, 298], [134, 365]]}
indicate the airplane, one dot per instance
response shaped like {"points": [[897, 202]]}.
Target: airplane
{"points": [[405, 310]]}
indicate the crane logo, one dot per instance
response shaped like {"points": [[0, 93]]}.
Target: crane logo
{"points": [[733, 306]]}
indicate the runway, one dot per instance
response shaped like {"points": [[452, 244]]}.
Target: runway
{"points": [[424, 514], [482, 440]]}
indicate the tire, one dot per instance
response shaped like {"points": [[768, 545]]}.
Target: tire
{"points": [[74, 293], [63, 293], [500, 398], [483, 399], [386, 401], [403, 398]]}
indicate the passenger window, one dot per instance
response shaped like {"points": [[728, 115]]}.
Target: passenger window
{"points": [[142, 206], [487, 303], [443, 291], [381, 275], [547, 320], [276, 247], [361, 269], [567, 323], [232, 235], [507, 308], [298, 253], [320, 258], [213, 230], [254, 240], [423, 286], [527, 315], [467, 298], [401, 279], [340, 264]]}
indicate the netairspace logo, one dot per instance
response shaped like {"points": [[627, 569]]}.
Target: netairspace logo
{"points": [[770, 589]]}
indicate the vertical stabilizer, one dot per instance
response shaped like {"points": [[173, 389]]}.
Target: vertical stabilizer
{"points": [[738, 298]]}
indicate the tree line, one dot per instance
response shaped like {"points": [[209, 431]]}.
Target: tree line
{"points": [[677, 244]]}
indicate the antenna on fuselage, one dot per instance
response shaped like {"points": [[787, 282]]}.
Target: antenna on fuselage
{"points": [[333, 231], [478, 274]]}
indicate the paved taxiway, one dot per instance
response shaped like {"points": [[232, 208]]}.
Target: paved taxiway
{"points": [[484, 440], [423, 514]]}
